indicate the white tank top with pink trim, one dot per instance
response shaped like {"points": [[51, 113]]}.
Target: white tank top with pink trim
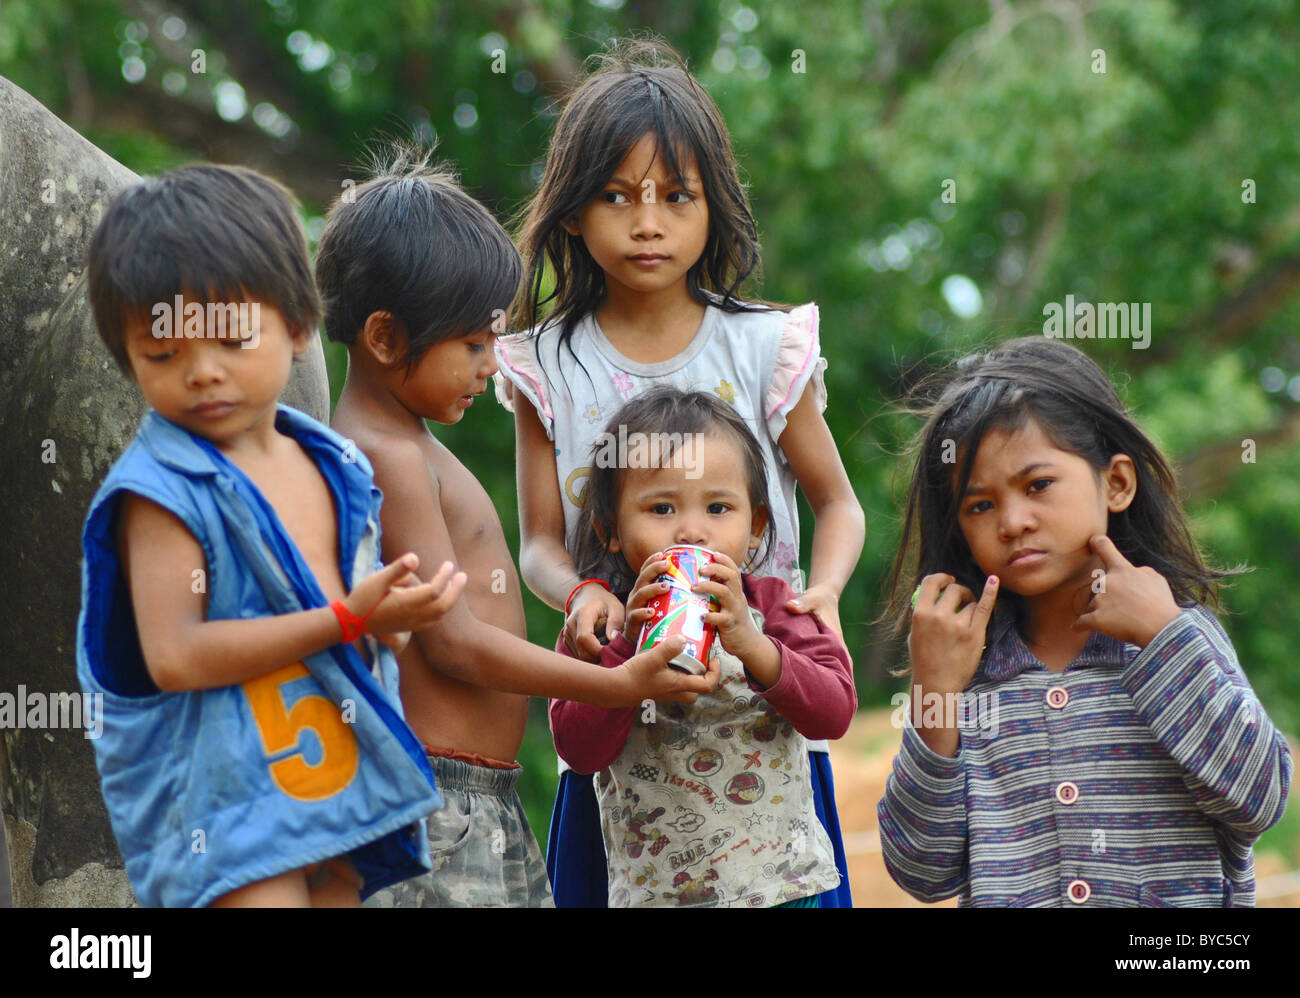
{"points": [[759, 362]]}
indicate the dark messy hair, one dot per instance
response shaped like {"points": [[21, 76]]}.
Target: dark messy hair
{"points": [[636, 86], [411, 242], [1061, 389], [221, 233], [674, 413]]}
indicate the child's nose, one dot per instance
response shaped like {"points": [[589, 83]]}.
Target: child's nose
{"points": [[647, 223], [204, 367], [691, 532], [1017, 517]]}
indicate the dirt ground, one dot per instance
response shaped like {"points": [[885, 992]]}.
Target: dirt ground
{"points": [[862, 760]]}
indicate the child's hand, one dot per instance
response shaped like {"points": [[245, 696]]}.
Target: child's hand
{"points": [[592, 607], [650, 677], [823, 602], [1133, 604], [643, 591], [395, 600], [947, 634], [736, 628]]}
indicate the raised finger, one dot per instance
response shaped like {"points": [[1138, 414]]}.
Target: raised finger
{"points": [[955, 597]]}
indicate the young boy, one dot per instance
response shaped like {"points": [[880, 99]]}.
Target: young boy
{"points": [[414, 273], [250, 755]]}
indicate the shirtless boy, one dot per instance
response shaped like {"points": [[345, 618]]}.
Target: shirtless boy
{"points": [[414, 273], [223, 603]]}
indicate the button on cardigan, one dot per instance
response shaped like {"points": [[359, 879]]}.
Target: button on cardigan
{"points": [[1145, 784]]}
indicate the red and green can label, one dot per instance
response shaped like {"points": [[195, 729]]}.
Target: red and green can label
{"points": [[680, 611]]}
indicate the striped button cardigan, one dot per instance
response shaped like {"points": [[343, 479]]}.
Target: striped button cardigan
{"points": [[1133, 778]]}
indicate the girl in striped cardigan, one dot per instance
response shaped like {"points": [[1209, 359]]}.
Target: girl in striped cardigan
{"points": [[1080, 732]]}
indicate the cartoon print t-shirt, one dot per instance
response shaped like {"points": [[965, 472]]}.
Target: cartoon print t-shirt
{"points": [[710, 804]]}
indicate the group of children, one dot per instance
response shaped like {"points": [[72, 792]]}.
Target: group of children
{"points": [[315, 697]]}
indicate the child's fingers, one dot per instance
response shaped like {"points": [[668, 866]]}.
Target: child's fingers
{"points": [[615, 618], [646, 593], [445, 572], [1110, 555], [451, 591], [954, 598], [589, 647], [931, 587], [721, 572], [984, 608], [397, 568], [728, 592], [650, 571]]}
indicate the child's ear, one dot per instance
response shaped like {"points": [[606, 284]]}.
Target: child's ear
{"points": [[301, 340], [757, 526], [613, 544], [571, 226], [1120, 483], [380, 336]]}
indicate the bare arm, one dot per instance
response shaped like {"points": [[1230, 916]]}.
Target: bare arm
{"points": [[840, 525], [465, 648], [184, 651], [544, 562]]}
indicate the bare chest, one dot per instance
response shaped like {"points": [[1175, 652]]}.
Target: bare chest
{"points": [[296, 490]]}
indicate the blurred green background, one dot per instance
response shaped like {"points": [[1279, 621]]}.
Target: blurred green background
{"points": [[932, 172]]}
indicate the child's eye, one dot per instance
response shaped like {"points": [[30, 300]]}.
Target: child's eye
{"points": [[718, 507], [613, 197], [979, 507], [236, 342], [661, 508], [686, 197], [158, 358], [476, 347], [1039, 484]]}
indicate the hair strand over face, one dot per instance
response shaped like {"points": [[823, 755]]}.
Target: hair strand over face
{"points": [[215, 233], [409, 241], [669, 411], [1061, 389]]}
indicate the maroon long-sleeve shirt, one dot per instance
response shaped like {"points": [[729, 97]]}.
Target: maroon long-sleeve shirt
{"points": [[815, 692]]}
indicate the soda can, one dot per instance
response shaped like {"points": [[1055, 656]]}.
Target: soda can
{"points": [[678, 611]]}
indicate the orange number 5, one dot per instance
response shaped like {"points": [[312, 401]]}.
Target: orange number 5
{"points": [[280, 730]]}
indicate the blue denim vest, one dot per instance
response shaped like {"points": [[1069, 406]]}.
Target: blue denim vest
{"points": [[214, 789]]}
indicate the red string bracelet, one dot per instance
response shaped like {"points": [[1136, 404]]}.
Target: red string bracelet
{"points": [[352, 625], [584, 582]]}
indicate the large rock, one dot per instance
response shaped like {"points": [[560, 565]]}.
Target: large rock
{"points": [[67, 413]]}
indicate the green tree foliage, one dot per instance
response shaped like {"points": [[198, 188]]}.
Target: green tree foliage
{"points": [[933, 173]]}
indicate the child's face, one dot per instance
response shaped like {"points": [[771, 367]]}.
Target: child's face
{"points": [[1031, 508], [661, 507], [446, 379], [224, 383], [645, 230]]}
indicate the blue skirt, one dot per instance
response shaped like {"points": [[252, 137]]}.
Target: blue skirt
{"points": [[575, 850]]}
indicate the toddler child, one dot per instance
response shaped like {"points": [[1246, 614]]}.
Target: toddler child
{"points": [[709, 804]]}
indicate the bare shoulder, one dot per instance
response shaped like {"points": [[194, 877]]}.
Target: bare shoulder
{"points": [[400, 464], [141, 522]]}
